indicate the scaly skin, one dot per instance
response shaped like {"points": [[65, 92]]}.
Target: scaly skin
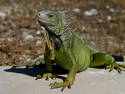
{"points": [[68, 50]]}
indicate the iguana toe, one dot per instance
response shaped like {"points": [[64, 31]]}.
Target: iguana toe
{"points": [[114, 66], [62, 85], [46, 76]]}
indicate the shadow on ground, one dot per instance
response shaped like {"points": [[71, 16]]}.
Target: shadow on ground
{"points": [[33, 72]]}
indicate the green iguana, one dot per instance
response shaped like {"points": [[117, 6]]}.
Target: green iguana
{"points": [[68, 50]]}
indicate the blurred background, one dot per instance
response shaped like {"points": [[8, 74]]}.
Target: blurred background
{"points": [[100, 22]]}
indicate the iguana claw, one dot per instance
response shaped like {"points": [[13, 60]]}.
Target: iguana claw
{"points": [[62, 85], [46, 76], [114, 66]]}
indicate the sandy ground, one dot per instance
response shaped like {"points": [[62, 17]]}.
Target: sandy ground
{"points": [[91, 81]]}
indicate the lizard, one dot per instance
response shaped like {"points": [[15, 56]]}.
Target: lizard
{"points": [[67, 50]]}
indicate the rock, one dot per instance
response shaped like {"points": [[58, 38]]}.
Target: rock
{"points": [[29, 37], [38, 42], [109, 18], [38, 32], [2, 14], [91, 12], [76, 10]]}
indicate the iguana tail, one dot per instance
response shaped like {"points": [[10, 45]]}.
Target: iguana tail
{"points": [[119, 58]]}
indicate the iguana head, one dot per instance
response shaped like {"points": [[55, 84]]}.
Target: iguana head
{"points": [[51, 20]]}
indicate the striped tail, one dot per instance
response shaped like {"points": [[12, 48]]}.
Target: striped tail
{"points": [[119, 58]]}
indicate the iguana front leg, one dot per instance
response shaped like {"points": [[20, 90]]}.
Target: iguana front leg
{"points": [[48, 57], [69, 80], [49, 71]]}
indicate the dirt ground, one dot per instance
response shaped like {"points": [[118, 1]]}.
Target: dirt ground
{"points": [[100, 22]]}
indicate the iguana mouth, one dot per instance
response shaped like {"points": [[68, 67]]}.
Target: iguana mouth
{"points": [[43, 22]]}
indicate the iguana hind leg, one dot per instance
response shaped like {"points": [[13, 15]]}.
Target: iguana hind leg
{"points": [[100, 59], [68, 82]]}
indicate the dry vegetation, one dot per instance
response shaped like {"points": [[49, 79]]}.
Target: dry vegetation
{"points": [[100, 22]]}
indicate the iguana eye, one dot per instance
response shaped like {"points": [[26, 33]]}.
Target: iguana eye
{"points": [[50, 15]]}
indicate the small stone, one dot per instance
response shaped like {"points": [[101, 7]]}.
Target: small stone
{"points": [[77, 10], [28, 59], [107, 6], [38, 32], [91, 12], [41, 56], [112, 10], [2, 14], [38, 42], [100, 21], [83, 28], [10, 39], [29, 37], [109, 18]]}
